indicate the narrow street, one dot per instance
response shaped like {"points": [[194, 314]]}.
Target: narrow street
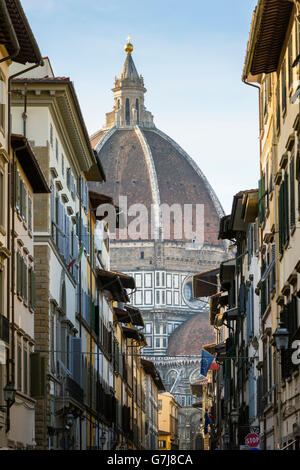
{"points": [[149, 284]]}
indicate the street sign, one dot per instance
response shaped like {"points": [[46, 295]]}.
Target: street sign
{"points": [[252, 440]]}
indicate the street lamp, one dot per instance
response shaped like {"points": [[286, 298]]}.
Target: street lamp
{"points": [[234, 415], [9, 397], [281, 337], [226, 439], [9, 394], [103, 439]]}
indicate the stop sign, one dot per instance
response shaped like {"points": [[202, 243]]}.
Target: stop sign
{"points": [[252, 440]]}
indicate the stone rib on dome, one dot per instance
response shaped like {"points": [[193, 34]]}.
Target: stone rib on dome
{"points": [[129, 70]]}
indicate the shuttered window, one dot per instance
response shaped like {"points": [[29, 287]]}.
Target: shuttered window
{"points": [[19, 366], [289, 317], [1, 198], [29, 213], [278, 106], [292, 192], [2, 102], [283, 206], [51, 135], [283, 86], [261, 199], [25, 370], [31, 288], [290, 61]]}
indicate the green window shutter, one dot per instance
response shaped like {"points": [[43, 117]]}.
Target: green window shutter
{"points": [[23, 278], [18, 191], [37, 375], [33, 289], [25, 282], [261, 198], [280, 216], [18, 274], [292, 193], [25, 204], [286, 208], [29, 213]]}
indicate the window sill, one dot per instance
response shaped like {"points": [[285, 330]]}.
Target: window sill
{"points": [[19, 215], [284, 112], [266, 312], [293, 229]]}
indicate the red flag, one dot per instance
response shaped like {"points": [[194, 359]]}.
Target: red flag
{"points": [[214, 366]]}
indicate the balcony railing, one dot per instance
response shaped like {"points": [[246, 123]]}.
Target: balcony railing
{"points": [[74, 390]]}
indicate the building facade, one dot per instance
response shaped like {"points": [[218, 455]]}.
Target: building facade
{"points": [[168, 409], [277, 79], [17, 46]]}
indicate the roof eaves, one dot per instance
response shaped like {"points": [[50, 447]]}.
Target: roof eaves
{"points": [[29, 50]]}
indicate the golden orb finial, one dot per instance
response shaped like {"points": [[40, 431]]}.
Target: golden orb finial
{"points": [[128, 47]]}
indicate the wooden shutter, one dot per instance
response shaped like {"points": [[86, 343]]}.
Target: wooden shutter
{"points": [[17, 190], [37, 375], [280, 213], [76, 359], [29, 213], [19, 274], [292, 193], [33, 289]]}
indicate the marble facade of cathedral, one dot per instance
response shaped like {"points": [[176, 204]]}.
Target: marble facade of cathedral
{"points": [[148, 167]]}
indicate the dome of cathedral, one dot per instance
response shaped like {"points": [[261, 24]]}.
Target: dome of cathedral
{"points": [[147, 166], [190, 337]]}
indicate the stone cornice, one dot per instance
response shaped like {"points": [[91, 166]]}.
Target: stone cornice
{"points": [[57, 98]]}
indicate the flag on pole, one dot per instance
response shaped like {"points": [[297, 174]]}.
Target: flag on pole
{"points": [[214, 366], [78, 258], [206, 423], [206, 360]]}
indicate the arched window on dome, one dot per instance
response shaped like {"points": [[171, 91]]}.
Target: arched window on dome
{"points": [[118, 104], [137, 107], [127, 112]]}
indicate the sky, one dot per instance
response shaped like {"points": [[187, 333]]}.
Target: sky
{"points": [[191, 55]]}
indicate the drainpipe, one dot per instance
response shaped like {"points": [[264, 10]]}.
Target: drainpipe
{"points": [[79, 293], [91, 314], [10, 239], [16, 49]]}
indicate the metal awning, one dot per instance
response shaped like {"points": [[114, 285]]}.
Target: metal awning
{"points": [[132, 333], [227, 272], [31, 167], [266, 273], [150, 369], [110, 281], [205, 283], [129, 314], [135, 315]]}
